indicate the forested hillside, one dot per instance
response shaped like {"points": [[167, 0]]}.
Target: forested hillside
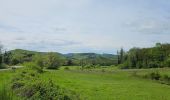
{"points": [[20, 56], [91, 58], [154, 57]]}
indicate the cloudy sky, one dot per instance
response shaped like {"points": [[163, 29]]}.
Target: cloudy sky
{"points": [[100, 26]]}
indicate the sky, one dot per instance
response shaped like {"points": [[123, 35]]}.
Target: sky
{"points": [[100, 26]]}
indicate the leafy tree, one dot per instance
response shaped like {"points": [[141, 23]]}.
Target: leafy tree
{"points": [[53, 61], [39, 60], [69, 62], [120, 56], [153, 57], [7, 57]]}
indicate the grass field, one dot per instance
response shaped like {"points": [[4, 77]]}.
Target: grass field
{"points": [[108, 85], [5, 91]]}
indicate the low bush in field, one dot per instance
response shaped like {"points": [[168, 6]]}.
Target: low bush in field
{"points": [[91, 66], [97, 66], [28, 85], [66, 68], [165, 79], [33, 66], [153, 76], [123, 66]]}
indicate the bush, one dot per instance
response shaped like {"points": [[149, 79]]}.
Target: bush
{"points": [[165, 79], [33, 66], [88, 66], [97, 66], [44, 91], [66, 68], [123, 66], [155, 76], [29, 86]]}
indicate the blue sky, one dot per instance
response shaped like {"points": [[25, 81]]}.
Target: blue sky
{"points": [[100, 26]]}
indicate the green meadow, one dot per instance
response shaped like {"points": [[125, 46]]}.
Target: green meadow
{"points": [[103, 85]]}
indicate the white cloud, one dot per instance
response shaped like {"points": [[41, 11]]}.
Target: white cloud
{"points": [[150, 26], [82, 25]]}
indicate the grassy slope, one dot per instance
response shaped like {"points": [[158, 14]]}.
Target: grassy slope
{"points": [[119, 85]]}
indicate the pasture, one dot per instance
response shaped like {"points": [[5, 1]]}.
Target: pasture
{"points": [[95, 84]]}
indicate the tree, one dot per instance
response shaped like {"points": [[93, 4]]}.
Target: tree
{"points": [[69, 62], [121, 55], [153, 57], [1, 56], [118, 58], [6, 57], [39, 60], [53, 61]]}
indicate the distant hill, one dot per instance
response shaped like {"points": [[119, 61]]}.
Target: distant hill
{"points": [[102, 59], [21, 56], [89, 55]]}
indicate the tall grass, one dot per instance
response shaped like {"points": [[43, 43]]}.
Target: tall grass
{"points": [[5, 94]]}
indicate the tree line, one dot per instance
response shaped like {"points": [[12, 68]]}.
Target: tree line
{"points": [[53, 60], [154, 57]]}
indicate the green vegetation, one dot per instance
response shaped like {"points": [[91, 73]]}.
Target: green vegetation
{"points": [[19, 56], [6, 93], [90, 59], [158, 75], [155, 57], [109, 85], [90, 84], [86, 76], [28, 85]]}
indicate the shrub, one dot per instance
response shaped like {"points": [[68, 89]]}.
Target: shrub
{"points": [[155, 76], [97, 66], [88, 66], [123, 66], [166, 79], [29, 86], [33, 66], [66, 68]]}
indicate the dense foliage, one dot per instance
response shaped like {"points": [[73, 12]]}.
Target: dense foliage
{"points": [[158, 56], [28, 85], [46, 59], [91, 59]]}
